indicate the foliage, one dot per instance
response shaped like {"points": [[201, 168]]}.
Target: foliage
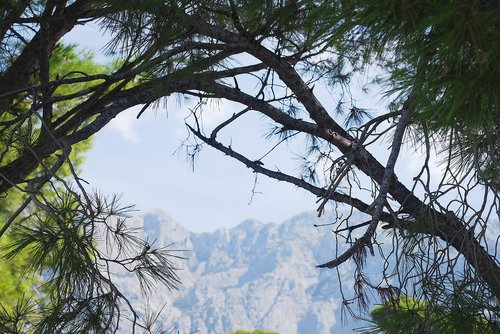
{"points": [[407, 315], [435, 62], [65, 238], [443, 49], [19, 281], [443, 54], [52, 250], [16, 283]]}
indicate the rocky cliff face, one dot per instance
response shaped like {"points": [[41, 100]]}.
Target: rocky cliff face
{"points": [[254, 275]]}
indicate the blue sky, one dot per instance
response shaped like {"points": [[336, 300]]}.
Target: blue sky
{"points": [[135, 158]]}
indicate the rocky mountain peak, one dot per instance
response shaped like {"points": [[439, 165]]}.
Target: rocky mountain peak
{"points": [[255, 275]]}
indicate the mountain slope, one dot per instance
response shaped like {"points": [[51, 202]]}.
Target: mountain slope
{"points": [[254, 275]]}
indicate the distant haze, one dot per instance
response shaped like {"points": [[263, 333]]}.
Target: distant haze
{"points": [[252, 276]]}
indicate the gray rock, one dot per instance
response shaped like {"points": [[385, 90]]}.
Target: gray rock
{"points": [[254, 275]]}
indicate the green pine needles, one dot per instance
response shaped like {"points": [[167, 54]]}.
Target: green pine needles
{"points": [[75, 243]]}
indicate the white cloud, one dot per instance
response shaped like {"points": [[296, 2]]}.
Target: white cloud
{"points": [[214, 112], [124, 125]]}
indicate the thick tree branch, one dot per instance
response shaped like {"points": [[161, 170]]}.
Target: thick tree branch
{"points": [[19, 74], [14, 13], [204, 75], [453, 232], [258, 167]]}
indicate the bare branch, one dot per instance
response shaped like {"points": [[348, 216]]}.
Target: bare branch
{"points": [[381, 199]]}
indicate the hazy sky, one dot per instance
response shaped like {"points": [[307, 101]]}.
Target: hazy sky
{"points": [[136, 158]]}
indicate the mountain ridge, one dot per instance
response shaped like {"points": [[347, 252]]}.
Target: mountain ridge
{"points": [[253, 275]]}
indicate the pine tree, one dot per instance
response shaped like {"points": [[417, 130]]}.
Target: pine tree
{"points": [[436, 64]]}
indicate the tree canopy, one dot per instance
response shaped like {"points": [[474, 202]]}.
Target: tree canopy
{"points": [[406, 315], [435, 66]]}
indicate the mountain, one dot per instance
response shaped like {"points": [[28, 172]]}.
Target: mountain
{"points": [[254, 275]]}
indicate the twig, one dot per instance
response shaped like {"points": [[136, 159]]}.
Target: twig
{"points": [[380, 201]]}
